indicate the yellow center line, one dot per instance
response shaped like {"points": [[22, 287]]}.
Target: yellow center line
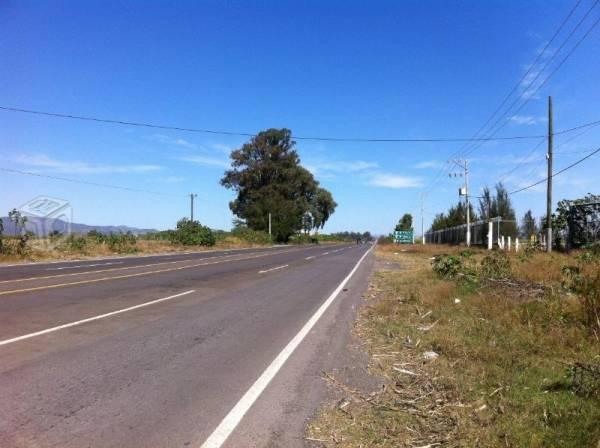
{"points": [[98, 271], [138, 274]]}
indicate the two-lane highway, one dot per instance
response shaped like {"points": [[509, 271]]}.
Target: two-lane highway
{"points": [[173, 350]]}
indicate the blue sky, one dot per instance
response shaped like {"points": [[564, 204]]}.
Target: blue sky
{"points": [[341, 68]]}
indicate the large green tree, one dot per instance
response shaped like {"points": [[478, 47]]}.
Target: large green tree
{"points": [[268, 178], [405, 222]]}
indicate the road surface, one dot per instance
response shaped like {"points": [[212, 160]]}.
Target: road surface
{"points": [[201, 349]]}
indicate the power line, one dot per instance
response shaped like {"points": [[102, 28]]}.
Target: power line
{"points": [[95, 184], [545, 81], [597, 150], [587, 127], [531, 66], [242, 134]]}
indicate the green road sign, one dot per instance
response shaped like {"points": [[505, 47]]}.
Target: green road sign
{"points": [[403, 236]]}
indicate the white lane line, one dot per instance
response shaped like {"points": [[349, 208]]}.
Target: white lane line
{"points": [[129, 257], [235, 415], [90, 319], [310, 258], [273, 269], [83, 266], [325, 253]]}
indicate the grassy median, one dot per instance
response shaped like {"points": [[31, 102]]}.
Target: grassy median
{"points": [[483, 351]]}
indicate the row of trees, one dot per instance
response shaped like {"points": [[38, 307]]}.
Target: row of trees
{"points": [[577, 219], [491, 205], [267, 176]]}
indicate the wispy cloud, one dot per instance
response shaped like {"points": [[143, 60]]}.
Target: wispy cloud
{"points": [[527, 119], [428, 164], [209, 161], [225, 149], [531, 82], [387, 180], [161, 138], [351, 166], [46, 163]]}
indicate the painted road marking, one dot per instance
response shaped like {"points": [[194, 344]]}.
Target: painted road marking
{"points": [[91, 319], [99, 271], [235, 415], [325, 253], [83, 266], [273, 269], [310, 258], [129, 257], [137, 274]]}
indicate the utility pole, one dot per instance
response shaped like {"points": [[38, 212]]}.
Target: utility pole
{"points": [[549, 187], [192, 196], [422, 220], [269, 224], [464, 165]]}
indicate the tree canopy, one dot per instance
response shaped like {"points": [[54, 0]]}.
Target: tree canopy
{"points": [[528, 225], [499, 205], [456, 216], [405, 222], [268, 178]]}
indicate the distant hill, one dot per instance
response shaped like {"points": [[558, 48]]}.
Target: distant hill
{"points": [[43, 226]]}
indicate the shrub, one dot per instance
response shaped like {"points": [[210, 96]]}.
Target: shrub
{"points": [[75, 243], [447, 266], [584, 280], [303, 239], [495, 266], [121, 242], [252, 236], [96, 237], [192, 233]]}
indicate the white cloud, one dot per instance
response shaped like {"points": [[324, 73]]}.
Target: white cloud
{"points": [[428, 164], [47, 163], [394, 181], [210, 161], [527, 119], [172, 141], [351, 166]]}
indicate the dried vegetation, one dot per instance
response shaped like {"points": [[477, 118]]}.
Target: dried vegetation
{"points": [[500, 353]]}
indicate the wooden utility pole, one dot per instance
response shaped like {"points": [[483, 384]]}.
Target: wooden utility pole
{"points": [[549, 186], [468, 204]]}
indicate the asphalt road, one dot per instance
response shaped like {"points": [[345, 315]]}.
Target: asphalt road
{"points": [[201, 349]]}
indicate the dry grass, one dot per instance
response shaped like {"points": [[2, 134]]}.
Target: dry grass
{"points": [[43, 249], [501, 378]]}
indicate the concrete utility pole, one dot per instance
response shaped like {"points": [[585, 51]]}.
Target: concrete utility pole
{"points": [[464, 165], [192, 196], [549, 187], [422, 220], [269, 224]]}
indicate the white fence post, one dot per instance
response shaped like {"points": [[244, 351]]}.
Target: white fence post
{"points": [[502, 245], [517, 245], [509, 243], [490, 235]]}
